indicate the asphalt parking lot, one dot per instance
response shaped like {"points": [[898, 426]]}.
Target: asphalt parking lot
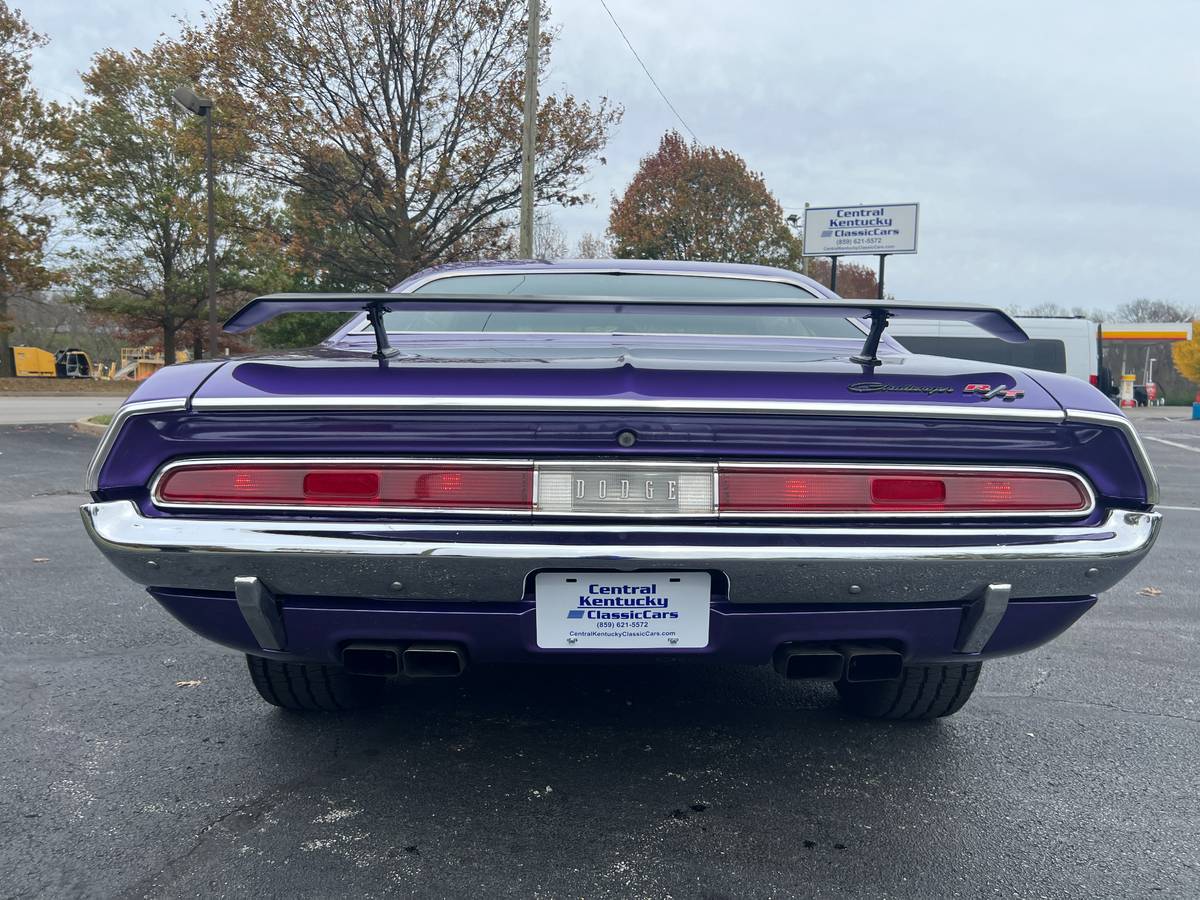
{"points": [[137, 760]]}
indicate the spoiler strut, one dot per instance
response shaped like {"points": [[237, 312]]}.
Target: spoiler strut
{"points": [[375, 312], [994, 321]]}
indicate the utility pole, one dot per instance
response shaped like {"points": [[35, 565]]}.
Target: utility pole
{"points": [[187, 99], [529, 129], [214, 335], [803, 258]]}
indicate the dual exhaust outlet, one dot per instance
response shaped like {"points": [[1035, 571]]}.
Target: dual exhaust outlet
{"points": [[412, 661], [805, 662], [849, 662]]}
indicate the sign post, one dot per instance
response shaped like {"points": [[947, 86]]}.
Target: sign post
{"points": [[863, 230]]}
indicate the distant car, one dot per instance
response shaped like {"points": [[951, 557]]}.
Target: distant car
{"points": [[1148, 394], [616, 460]]}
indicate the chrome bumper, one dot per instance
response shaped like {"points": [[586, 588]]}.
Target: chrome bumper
{"points": [[477, 562]]}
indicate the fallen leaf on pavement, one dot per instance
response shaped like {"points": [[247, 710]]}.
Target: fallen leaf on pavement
{"points": [[1150, 592], [188, 683]]}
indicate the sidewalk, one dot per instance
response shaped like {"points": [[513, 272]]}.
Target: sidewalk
{"points": [[53, 409], [1170, 413]]}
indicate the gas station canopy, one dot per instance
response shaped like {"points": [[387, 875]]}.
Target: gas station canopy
{"points": [[1146, 331]]}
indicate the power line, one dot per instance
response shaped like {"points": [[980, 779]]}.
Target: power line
{"points": [[685, 125]]}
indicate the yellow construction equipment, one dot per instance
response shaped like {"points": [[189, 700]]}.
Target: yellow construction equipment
{"points": [[33, 362], [137, 363], [140, 363]]}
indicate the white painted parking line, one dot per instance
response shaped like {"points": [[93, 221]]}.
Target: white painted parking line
{"points": [[1181, 508], [1158, 440]]}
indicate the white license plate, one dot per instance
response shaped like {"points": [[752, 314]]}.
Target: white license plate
{"points": [[622, 611]]}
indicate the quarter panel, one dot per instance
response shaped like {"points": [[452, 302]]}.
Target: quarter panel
{"points": [[176, 382]]}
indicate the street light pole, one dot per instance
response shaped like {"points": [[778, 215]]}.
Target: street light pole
{"points": [[529, 130], [190, 101]]}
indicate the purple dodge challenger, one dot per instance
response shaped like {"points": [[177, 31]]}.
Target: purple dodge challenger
{"points": [[609, 460]]}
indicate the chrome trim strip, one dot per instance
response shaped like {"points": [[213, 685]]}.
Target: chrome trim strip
{"points": [[537, 466], [480, 563], [990, 536], [590, 404], [123, 414], [645, 462], [614, 270], [1141, 457]]}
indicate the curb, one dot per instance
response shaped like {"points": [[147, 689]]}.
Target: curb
{"points": [[89, 427]]}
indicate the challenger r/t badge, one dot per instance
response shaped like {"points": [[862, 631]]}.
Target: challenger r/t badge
{"points": [[1003, 391]]}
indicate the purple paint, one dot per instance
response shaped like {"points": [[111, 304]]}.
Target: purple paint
{"points": [[146, 442], [175, 382], [317, 629], [625, 372]]}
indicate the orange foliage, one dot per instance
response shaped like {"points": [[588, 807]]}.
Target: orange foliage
{"points": [[700, 203], [1187, 355]]}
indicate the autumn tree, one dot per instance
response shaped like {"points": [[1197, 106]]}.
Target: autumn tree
{"points": [[701, 203], [856, 281], [394, 126], [593, 246], [1186, 355], [26, 123], [131, 173]]}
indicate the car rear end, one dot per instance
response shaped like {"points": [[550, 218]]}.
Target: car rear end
{"points": [[340, 521]]}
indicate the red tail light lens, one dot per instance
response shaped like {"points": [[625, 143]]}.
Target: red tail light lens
{"points": [[741, 489], [884, 491], [906, 491], [446, 487]]}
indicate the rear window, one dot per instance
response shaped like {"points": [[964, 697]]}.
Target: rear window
{"points": [[606, 284], [1045, 354]]}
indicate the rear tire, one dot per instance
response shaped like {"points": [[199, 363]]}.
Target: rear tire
{"points": [[306, 687], [921, 692]]}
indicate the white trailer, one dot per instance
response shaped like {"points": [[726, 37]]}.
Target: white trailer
{"points": [[1066, 344]]}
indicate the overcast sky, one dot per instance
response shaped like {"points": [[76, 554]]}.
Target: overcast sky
{"points": [[1053, 146]]}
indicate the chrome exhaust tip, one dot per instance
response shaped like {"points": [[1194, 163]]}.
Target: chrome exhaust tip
{"points": [[806, 662], [371, 659], [433, 661], [871, 663]]}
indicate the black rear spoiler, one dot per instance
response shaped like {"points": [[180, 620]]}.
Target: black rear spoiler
{"points": [[994, 321]]}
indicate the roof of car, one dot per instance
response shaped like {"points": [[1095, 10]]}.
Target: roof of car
{"points": [[647, 266]]}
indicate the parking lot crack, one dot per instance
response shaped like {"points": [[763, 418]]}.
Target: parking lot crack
{"points": [[1096, 705], [176, 866]]}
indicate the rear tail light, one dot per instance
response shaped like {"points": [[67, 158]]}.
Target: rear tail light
{"points": [[436, 486], [883, 491], [630, 491], [1094, 380]]}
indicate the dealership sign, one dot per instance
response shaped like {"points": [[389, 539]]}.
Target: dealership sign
{"points": [[869, 229]]}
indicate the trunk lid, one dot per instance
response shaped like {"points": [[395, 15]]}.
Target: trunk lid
{"points": [[636, 370]]}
